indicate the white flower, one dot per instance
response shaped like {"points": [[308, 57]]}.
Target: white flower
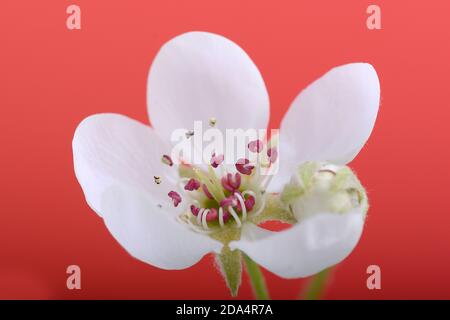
{"points": [[202, 76]]}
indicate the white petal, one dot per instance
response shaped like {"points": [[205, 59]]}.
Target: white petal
{"points": [[149, 233], [306, 248], [200, 75], [113, 149], [330, 120]]}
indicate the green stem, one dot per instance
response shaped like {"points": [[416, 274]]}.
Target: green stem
{"points": [[317, 285], [257, 279]]}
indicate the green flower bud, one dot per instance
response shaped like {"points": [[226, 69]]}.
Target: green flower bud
{"points": [[319, 187]]}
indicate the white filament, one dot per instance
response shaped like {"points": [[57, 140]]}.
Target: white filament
{"points": [[262, 202], [235, 216], [186, 220], [250, 192], [199, 215], [261, 207], [221, 217], [204, 215], [244, 209]]}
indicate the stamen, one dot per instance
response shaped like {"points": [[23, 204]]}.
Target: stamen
{"points": [[226, 199], [262, 204], [185, 219], [235, 216], [256, 146], [194, 210], [246, 192], [192, 185], [272, 153], [216, 160], [230, 201], [206, 192], [237, 181], [243, 206], [226, 185], [204, 216], [230, 184], [212, 215], [176, 198], [199, 216], [189, 133], [244, 166], [212, 122], [167, 160], [223, 216], [250, 203]]}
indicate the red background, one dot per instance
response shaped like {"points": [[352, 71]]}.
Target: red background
{"points": [[52, 78]]}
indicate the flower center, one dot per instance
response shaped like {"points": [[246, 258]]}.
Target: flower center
{"points": [[216, 198], [219, 201]]}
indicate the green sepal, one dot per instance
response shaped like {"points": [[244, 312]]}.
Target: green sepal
{"points": [[274, 210], [346, 179], [300, 184], [230, 265], [290, 192]]}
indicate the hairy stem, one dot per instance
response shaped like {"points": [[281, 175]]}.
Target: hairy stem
{"points": [[317, 286], [257, 279]]}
